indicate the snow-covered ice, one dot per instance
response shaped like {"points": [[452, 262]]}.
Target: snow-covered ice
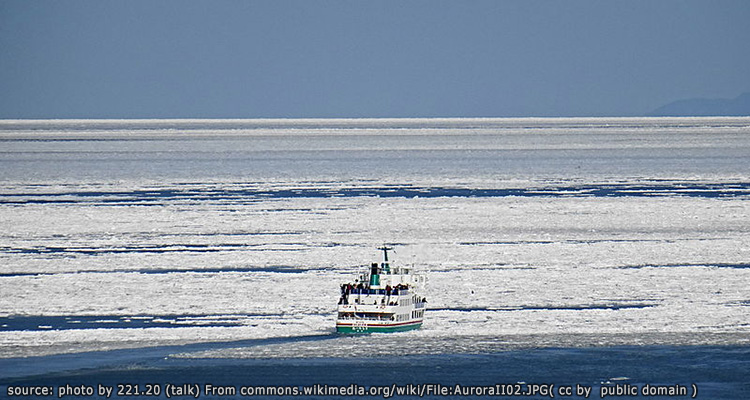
{"points": [[534, 232]]}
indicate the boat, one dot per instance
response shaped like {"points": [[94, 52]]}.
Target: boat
{"points": [[385, 298]]}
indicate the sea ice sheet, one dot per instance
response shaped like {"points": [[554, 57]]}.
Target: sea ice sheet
{"points": [[534, 232]]}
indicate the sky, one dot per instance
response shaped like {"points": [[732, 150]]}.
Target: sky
{"points": [[320, 59]]}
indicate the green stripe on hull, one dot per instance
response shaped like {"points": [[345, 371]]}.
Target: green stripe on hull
{"points": [[377, 329]]}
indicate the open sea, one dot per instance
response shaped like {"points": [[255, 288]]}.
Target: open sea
{"points": [[567, 257]]}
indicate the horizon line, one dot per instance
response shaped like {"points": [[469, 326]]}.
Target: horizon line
{"points": [[369, 118]]}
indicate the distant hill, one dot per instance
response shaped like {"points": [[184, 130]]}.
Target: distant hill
{"points": [[739, 106]]}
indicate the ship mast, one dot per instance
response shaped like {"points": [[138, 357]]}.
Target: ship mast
{"points": [[386, 265], [385, 252]]}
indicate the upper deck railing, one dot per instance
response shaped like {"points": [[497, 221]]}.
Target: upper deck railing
{"points": [[392, 292]]}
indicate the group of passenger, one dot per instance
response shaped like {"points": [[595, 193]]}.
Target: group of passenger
{"points": [[394, 290], [349, 288], [354, 288]]}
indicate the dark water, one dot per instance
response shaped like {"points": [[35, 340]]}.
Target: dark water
{"points": [[55, 322], [716, 372], [239, 193]]}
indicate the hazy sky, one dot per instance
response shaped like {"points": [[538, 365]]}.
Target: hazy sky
{"points": [[246, 59]]}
